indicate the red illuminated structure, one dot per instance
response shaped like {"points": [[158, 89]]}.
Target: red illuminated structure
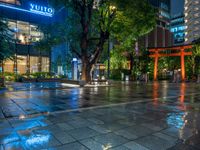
{"points": [[181, 51]]}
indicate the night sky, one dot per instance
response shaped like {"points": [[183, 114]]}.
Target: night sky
{"points": [[177, 6]]}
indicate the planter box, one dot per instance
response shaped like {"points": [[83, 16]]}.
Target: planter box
{"points": [[28, 80], [75, 82], [41, 80], [2, 84], [48, 80]]}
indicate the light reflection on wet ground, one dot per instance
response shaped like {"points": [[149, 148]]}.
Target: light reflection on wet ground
{"points": [[137, 116]]}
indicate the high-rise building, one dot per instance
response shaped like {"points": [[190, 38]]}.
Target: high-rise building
{"points": [[192, 20], [161, 35], [178, 29]]}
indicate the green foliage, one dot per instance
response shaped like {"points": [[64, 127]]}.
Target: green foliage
{"points": [[49, 39], [8, 76], [194, 60], [6, 41], [124, 21], [133, 21], [118, 60], [89, 25]]}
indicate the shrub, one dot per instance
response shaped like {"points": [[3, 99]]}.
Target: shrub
{"points": [[9, 76], [116, 73]]}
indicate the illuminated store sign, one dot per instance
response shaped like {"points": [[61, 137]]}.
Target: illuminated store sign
{"points": [[34, 9], [43, 10]]}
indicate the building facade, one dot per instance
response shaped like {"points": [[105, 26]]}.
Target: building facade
{"points": [[178, 29], [161, 35], [23, 19], [192, 20]]}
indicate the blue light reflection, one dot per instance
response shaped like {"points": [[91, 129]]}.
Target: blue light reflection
{"points": [[176, 119], [24, 10]]}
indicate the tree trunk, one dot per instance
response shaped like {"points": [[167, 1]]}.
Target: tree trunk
{"points": [[193, 66], [193, 69], [131, 64], [85, 72]]}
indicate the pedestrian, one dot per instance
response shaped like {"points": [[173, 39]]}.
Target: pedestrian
{"points": [[175, 76]]}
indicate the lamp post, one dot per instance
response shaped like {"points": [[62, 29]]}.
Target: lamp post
{"points": [[108, 58], [110, 12]]}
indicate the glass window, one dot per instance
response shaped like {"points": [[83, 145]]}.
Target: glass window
{"points": [[11, 1], [21, 64], [45, 64], [36, 35], [9, 66], [34, 64], [24, 32]]}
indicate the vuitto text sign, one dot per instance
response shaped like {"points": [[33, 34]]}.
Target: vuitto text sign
{"points": [[43, 10]]}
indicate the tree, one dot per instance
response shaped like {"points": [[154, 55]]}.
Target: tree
{"points": [[90, 24], [195, 58], [45, 44], [6, 42]]}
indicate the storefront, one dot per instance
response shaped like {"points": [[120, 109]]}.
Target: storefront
{"points": [[24, 20]]}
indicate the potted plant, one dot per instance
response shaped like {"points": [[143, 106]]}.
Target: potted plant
{"points": [[2, 80]]}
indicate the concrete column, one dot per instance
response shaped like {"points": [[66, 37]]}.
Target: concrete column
{"points": [[164, 40]]}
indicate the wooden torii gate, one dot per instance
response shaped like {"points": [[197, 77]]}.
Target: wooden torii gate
{"points": [[175, 51]]}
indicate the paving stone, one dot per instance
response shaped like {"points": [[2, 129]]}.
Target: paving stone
{"points": [[99, 129], [155, 125], [64, 138], [135, 146], [72, 146], [92, 144], [155, 143], [64, 126], [166, 137], [1, 147], [119, 148], [182, 146], [113, 126], [40, 141], [7, 138], [51, 129], [96, 121], [14, 146], [80, 123], [140, 122], [110, 140], [83, 133], [136, 131], [172, 132], [126, 133]]}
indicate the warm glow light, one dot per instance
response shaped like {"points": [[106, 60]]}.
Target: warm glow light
{"points": [[22, 117]]}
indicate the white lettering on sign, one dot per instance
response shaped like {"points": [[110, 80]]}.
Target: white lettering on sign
{"points": [[41, 9]]}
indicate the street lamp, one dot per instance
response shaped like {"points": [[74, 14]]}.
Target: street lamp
{"points": [[110, 12]]}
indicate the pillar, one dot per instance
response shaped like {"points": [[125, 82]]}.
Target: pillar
{"points": [[182, 65], [28, 63], [156, 65], [15, 64]]}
